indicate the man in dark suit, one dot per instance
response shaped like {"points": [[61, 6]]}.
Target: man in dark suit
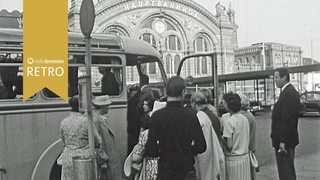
{"points": [[109, 84], [284, 132]]}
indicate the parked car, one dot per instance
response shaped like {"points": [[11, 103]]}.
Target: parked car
{"points": [[255, 106], [310, 102]]}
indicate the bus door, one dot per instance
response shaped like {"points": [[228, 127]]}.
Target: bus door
{"points": [[193, 67], [138, 66]]}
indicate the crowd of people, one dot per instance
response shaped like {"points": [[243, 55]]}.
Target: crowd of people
{"points": [[190, 141], [175, 141]]}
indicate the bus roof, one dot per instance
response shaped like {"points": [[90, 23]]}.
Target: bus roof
{"points": [[99, 41]]}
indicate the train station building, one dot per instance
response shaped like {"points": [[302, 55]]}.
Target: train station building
{"points": [[176, 28]]}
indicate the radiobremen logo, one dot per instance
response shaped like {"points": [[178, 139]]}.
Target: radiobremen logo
{"points": [[44, 70], [45, 50], [39, 73]]}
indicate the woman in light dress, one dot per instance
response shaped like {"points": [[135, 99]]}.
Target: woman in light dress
{"points": [[236, 135], [210, 165]]}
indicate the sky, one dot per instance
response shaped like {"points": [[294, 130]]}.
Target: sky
{"points": [[293, 22]]}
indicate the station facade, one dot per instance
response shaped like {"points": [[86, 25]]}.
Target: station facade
{"points": [[176, 28], [265, 56]]}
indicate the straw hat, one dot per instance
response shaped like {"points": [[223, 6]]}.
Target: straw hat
{"points": [[102, 100]]}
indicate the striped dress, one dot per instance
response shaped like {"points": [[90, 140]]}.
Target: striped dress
{"points": [[236, 127]]}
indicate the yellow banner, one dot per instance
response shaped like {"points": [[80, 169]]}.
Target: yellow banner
{"points": [[45, 47]]}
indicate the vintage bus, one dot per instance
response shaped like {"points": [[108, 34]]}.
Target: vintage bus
{"points": [[30, 131]]}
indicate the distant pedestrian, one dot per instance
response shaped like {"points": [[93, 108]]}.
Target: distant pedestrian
{"points": [[211, 163], [74, 136], [236, 134], [284, 131], [175, 136]]}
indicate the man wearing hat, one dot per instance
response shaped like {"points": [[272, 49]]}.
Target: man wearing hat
{"points": [[102, 122]]}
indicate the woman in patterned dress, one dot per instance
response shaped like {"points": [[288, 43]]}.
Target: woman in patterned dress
{"points": [[146, 167], [75, 139]]}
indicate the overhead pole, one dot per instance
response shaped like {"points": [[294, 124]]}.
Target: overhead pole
{"points": [[87, 17]]}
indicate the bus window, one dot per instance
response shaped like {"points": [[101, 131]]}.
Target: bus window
{"points": [[106, 80], [152, 70], [10, 76], [106, 75]]}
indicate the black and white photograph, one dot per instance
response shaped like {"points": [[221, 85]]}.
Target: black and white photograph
{"points": [[166, 90]]}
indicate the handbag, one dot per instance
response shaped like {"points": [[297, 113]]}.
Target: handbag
{"points": [[253, 160], [101, 157]]}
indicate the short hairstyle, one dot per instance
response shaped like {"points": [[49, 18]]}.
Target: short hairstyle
{"points": [[144, 79], [208, 94], [150, 102], [233, 101], [198, 98], [74, 104], [283, 72], [175, 86]]}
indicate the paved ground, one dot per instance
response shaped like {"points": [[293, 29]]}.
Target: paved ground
{"points": [[307, 159], [307, 168]]}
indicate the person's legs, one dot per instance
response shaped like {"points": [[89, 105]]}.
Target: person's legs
{"points": [[285, 164]]}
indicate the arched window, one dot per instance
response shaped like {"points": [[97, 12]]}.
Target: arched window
{"points": [[198, 65], [247, 60], [168, 64], [176, 63], [173, 43], [204, 65], [117, 30], [149, 38], [201, 44]]}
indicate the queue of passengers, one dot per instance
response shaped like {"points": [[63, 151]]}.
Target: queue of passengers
{"points": [[191, 142], [175, 142]]}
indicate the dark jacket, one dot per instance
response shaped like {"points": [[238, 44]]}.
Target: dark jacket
{"points": [[285, 117], [175, 135], [215, 122], [109, 84]]}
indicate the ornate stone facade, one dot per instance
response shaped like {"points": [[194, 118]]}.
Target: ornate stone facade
{"points": [[174, 27]]}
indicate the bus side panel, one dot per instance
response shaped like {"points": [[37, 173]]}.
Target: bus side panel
{"points": [[118, 119], [24, 138]]}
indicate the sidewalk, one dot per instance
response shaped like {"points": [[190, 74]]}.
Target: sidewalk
{"points": [[307, 168]]}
